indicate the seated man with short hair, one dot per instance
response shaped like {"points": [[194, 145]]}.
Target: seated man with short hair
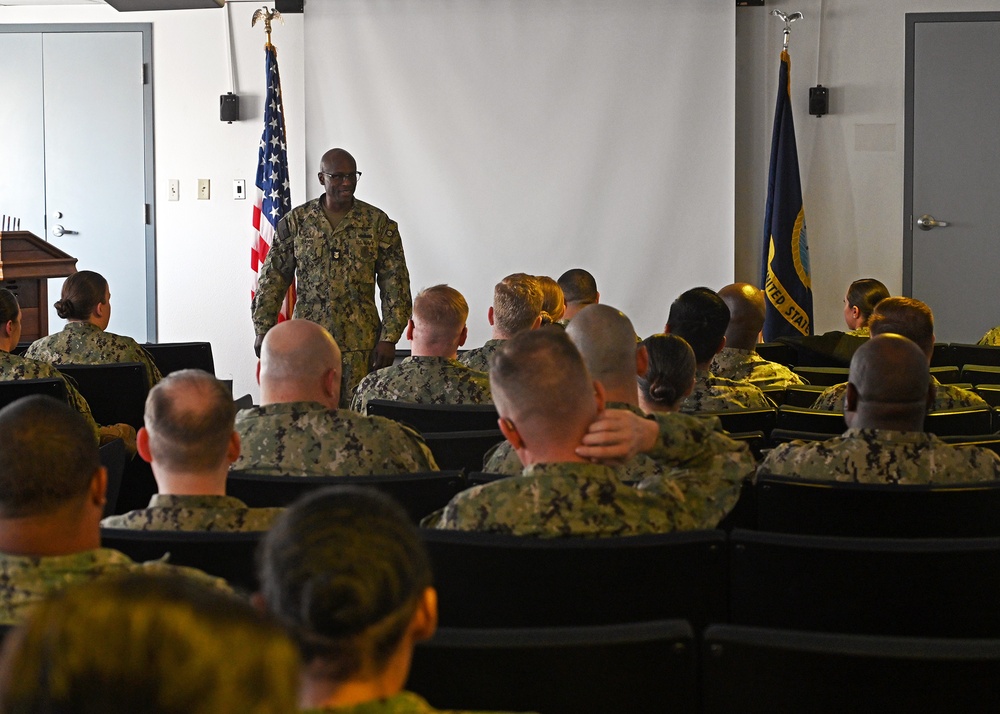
{"points": [[299, 430], [189, 441], [517, 306], [431, 374], [51, 500], [884, 406], [579, 290]]}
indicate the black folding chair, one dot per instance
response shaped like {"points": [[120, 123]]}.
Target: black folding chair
{"points": [[743, 420], [14, 389], [803, 395], [819, 422], [115, 392], [956, 354], [953, 422], [427, 418], [823, 376], [173, 356], [461, 449], [113, 457], [777, 352], [977, 374]]}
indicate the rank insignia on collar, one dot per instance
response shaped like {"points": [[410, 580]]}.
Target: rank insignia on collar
{"points": [[336, 255]]}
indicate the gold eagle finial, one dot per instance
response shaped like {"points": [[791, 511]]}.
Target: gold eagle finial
{"points": [[266, 15]]}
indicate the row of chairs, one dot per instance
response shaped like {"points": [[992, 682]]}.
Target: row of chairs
{"points": [[663, 666], [945, 355]]}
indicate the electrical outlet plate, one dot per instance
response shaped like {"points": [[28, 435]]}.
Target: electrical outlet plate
{"points": [[239, 189], [173, 190], [204, 189]]}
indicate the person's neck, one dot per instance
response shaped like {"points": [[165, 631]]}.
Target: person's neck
{"points": [[61, 532], [6, 345], [554, 446], [271, 395], [892, 418], [704, 366], [336, 207], [621, 393], [423, 349], [206, 483], [316, 691]]}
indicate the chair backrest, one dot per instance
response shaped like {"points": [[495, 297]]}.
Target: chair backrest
{"points": [[226, 555], [14, 389], [757, 670], [829, 508], [775, 394], [488, 580], [882, 586], [419, 493], [437, 417], [956, 354], [756, 440], [113, 457], [462, 449], [637, 667], [115, 392], [783, 436], [803, 395], [981, 374], [823, 376], [947, 374], [173, 356], [819, 422], [742, 420], [953, 422], [777, 352], [990, 393]]}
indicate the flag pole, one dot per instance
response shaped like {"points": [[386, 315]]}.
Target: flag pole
{"points": [[788, 20]]}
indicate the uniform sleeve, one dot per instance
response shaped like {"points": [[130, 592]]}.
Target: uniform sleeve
{"points": [[393, 283], [152, 371], [275, 276]]}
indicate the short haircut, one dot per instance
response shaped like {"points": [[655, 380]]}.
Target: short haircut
{"points": [[865, 294], [147, 643], [189, 416], [81, 293], [578, 286], [344, 569], [441, 310], [907, 317], [517, 303], [48, 456], [890, 370], [671, 369], [8, 306], [553, 301], [701, 317], [747, 312], [606, 340]]}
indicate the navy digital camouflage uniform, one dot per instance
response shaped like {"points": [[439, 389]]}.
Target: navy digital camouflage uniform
{"points": [[25, 580], [561, 499], [479, 358], [882, 456], [748, 366], [946, 396], [195, 513], [424, 380], [402, 703], [307, 439], [336, 269], [84, 343], [859, 332], [991, 338], [718, 394]]}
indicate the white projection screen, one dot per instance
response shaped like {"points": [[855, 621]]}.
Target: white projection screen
{"points": [[536, 136]]}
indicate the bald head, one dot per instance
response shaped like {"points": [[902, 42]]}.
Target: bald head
{"points": [[889, 385], [747, 312], [607, 342], [299, 361], [336, 158]]}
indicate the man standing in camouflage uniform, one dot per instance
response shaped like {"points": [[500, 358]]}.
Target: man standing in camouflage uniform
{"points": [[547, 400], [739, 360], [914, 320], [431, 374], [517, 306], [52, 489], [189, 441], [701, 317], [887, 397], [298, 429], [337, 248]]}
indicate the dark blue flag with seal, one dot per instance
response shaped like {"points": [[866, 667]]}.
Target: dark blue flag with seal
{"points": [[785, 273]]}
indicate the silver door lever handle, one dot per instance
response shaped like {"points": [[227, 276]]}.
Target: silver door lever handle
{"points": [[58, 230], [927, 221]]}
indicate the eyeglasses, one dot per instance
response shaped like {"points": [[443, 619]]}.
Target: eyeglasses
{"points": [[340, 178]]}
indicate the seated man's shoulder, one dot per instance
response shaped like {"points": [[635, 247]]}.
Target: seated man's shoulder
{"points": [[196, 513]]}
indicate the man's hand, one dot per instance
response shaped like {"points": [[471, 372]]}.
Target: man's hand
{"points": [[383, 355], [617, 435], [257, 343]]}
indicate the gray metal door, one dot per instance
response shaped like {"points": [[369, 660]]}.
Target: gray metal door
{"points": [[952, 171]]}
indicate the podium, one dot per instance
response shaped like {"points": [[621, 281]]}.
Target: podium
{"points": [[26, 263]]}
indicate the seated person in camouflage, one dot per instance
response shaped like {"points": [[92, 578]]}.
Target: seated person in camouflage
{"points": [[860, 301], [155, 645], [739, 360], [299, 430], [51, 500], [887, 397], [547, 400], [517, 306], [669, 378], [86, 304], [346, 572], [189, 441], [991, 338], [14, 367], [579, 290], [431, 374], [701, 318], [912, 319]]}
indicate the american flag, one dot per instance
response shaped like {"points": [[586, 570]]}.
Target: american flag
{"points": [[273, 198]]}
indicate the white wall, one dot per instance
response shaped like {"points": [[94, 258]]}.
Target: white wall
{"points": [[852, 159]]}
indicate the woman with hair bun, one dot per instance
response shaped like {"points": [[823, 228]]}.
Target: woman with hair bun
{"points": [[553, 301], [669, 378], [86, 304], [862, 297]]}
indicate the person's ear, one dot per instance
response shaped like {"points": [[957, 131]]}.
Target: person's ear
{"points": [[641, 360], [233, 448], [489, 315], [510, 432], [599, 396], [722, 344], [99, 487], [8, 328], [142, 445], [258, 603], [463, 336], [258, 373], [425, 617], [850, 398], [931, 394], [409, 329], [321, 181], [537, 323]]}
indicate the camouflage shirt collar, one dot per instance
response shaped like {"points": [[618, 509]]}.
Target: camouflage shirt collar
{"points": [[428, 360], [286, 408], [163, 500], [401, 703], [889, 435], [572, 468], [81, 326], [74, 562]]}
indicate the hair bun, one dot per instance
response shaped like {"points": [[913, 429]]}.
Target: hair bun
{"points": [[64, 308]]}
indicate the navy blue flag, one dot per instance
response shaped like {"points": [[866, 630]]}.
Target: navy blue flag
{"points": [[785, 272], [273, 198]]}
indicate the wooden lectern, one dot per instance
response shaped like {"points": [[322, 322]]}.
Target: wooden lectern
{"points": [[26, 263]]}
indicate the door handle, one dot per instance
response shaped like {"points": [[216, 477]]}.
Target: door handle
{"points": [[927, 221], [58, 231]]}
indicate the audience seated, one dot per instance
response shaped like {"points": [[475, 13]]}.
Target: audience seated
{"points": [[579, 290], [344, 570], [86, 304], [189, 441], [701, 318], [431, 374], [738, 360], [553, 300], [142, 643], [298, 428], [51, 501], [669, 378], [912, 319], [862, 297], [517, 306], [884, 406]]}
